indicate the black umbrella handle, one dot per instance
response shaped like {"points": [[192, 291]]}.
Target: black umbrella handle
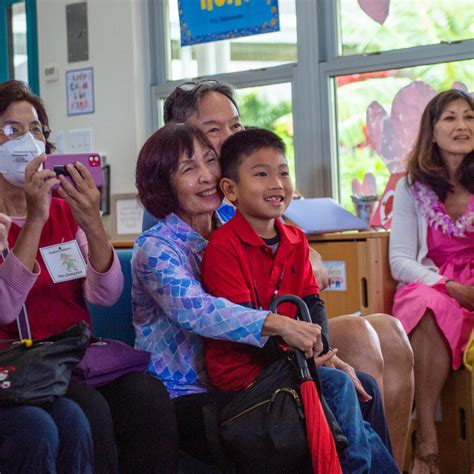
{"points": [[305, 316]]}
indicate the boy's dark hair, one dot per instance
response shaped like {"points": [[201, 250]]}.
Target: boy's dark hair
{"points": [[242, 144]]}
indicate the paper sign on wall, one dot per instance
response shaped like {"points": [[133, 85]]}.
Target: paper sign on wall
{"points": [[337, 275], [80, 91], [204, 21]]}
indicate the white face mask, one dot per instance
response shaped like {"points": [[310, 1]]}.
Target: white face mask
{"points": [[15, 156]]}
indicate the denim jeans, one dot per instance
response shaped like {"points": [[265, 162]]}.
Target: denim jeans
{"points": [[372, 410], [366, 452], [55, 438]]}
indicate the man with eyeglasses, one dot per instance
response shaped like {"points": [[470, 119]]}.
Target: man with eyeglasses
{"points": [[375, 344]]}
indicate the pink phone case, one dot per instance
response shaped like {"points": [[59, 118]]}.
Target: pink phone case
{"points": [[91, 161]]}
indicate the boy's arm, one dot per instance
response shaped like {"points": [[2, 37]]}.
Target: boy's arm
{"points": [[317, 311]]}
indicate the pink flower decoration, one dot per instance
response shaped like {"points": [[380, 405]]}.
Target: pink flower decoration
{"points": [[393, 136], [376, 9]]}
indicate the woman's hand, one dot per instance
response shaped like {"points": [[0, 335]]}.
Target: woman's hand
{"points": [[464, 294], [38, 187], [84, 199], [5, 223], [338, 363], [298, 334]]}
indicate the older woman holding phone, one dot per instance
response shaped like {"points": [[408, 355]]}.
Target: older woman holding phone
{"points": [[376, 344], [132, 422]]}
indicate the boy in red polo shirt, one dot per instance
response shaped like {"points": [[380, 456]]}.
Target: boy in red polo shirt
{"points": [[255, 257]]}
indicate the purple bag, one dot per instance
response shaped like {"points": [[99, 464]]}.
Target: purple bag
{"points": [[106, 360]]}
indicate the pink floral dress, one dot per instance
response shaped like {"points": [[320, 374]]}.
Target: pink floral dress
{"points": [[451, 247]]}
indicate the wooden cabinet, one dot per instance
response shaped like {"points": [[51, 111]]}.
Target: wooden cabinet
{"points": [[369, 286]]}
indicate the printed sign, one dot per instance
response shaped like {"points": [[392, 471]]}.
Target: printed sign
{"points": [[337, 275], [382, 217], [80, 91], [204, 21]]}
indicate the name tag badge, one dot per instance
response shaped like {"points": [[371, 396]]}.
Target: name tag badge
{"points": [[64, 261]]}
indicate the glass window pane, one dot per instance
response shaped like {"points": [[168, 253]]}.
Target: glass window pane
{"points": [[409, 23], [270, 107], [239, 54], [358, 143], [20, 55]]}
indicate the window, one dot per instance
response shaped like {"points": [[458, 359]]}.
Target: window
{"points": [[239, 54], [409, 23], [270, 107], [327, 64], [354, 93], [19, 54], [18, 37]]}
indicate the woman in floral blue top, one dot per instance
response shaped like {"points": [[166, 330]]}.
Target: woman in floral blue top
{"points": [[177, 180]]}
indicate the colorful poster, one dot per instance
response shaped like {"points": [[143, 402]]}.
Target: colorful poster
{"points": [[204, 21], [80, 91], [337, 275]]}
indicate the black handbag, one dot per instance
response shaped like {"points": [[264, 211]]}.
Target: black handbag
{"points": [[263, 429], [38, 372], [264, 425]]}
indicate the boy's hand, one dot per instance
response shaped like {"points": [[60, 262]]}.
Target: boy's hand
{"points": [[298, 334], [5, 223], [325, 359]]}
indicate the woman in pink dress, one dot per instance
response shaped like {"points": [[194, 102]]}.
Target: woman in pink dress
{"points": [[432, 255]]}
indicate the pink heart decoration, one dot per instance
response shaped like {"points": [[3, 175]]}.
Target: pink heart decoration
{"points": [[376, 9]]}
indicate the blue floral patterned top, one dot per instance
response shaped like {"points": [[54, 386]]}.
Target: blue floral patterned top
{"points": [[171, 310]]}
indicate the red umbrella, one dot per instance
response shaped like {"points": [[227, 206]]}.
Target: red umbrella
{"points": [[320, 439]]}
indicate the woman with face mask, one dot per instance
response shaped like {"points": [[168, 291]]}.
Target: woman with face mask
{"points": [[126, 415]]}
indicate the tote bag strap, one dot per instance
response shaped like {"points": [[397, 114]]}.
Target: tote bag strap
{"points": [[22, 319]]}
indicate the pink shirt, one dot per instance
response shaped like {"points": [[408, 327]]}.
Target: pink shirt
{"points": [[16, 281]]}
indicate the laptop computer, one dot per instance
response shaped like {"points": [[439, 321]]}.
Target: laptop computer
{"points": [[320, 215]]}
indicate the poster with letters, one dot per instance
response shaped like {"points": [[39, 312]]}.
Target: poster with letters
{"points": [[205, 21], [80, 91]]}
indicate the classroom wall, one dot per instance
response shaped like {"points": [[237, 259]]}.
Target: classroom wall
{"points": [[119, 56]]}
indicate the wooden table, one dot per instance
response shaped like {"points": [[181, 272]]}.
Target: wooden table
{"points": [[369, 286]]}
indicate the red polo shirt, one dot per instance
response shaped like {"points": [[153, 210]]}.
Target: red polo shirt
{"points": [[239, 266]]}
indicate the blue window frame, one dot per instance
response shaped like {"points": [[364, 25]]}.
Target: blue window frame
{"points": [[31, 42]]}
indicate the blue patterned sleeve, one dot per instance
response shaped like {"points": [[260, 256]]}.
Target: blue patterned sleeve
{"points": [[168, 278]]}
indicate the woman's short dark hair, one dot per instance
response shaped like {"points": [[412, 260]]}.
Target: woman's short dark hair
{"points": [[158, 160], [425, 162], [17, 91], [184, 100]]}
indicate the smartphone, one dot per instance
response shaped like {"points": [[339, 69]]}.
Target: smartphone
{"points": [[91, 161]]}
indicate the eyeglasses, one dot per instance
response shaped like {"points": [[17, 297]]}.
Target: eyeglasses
{"points": [[189, 86], [17, 130]]}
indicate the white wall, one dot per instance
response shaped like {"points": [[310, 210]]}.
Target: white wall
{"points": [[119, 55]]}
